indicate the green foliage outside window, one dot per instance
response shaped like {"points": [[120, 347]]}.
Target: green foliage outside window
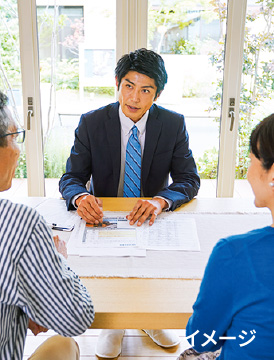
{"points": [[257, 80], [21, 170], [257, 83], [67, 73], [207, 164], [258, 68], [100, 90], [9, 47], [184, 47]]}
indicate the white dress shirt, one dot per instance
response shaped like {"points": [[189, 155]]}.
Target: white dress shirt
{"points": [[126, 126]]}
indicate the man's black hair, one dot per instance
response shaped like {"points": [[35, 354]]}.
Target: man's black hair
{"points": [[4, 120], [145, 62], [262, 142]]}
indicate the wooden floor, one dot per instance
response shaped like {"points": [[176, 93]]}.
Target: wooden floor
{"points": [[136, 346]]}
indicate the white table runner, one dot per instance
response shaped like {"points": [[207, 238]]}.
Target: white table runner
{"points": [[215, 219]]}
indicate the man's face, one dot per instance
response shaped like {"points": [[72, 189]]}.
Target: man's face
{"points": [[136, 94], [8, 157]]}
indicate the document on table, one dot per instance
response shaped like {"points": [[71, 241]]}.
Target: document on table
{"points": [[55, 212], [117, 238], [110, 239], [171, 232]]}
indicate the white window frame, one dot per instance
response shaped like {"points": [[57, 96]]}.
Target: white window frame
{"points": [[131, 26], [31, 89], [231, 89], [131, 33]]}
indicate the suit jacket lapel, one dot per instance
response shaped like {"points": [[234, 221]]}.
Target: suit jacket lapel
{"points": [[153, 131], [113, 131]]}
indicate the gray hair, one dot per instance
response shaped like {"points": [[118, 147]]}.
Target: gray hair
{"points": [[4, 119]]}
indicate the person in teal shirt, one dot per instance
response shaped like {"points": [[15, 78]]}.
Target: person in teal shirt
{"points": [[235, 304]]}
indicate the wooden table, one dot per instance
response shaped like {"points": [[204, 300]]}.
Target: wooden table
{"points": [[162, 303], [154, 303], [140, 303]]}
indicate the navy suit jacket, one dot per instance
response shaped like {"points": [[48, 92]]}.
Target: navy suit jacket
{"points": [[96, 155]]}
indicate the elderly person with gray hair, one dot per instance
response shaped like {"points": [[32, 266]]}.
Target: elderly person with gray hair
{"points": [[37, 288]]}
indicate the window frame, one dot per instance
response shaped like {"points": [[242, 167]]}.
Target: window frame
{"points": [[31, 89], [131, 32]]}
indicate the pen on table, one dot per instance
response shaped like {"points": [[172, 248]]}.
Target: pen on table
{"points": [[54, 226]]}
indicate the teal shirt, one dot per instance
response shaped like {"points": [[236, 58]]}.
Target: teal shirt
{"points": [[237, 297]]}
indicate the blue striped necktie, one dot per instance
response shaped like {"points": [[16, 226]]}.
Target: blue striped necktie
{"points": [[132, 180]]}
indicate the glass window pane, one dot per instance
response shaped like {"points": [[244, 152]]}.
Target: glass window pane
{"points": [[189, 35], [257, 93], [77, 72], [10, 81]]}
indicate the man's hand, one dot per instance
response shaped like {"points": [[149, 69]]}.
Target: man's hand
{"points": [[35, 328], [145, 208], [90, 209], [60, 246]]}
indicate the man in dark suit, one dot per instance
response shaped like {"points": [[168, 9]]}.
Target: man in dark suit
{"points": [[99, 149], [102, 155]]}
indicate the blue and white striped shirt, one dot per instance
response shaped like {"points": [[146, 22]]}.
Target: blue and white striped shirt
{"points": [[35, 282]]}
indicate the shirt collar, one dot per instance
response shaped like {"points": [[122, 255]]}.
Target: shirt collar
{"points": [[127, 123]]}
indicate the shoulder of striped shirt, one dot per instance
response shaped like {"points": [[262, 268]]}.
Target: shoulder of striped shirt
{"points": [[25, 208], [17, 211]]}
